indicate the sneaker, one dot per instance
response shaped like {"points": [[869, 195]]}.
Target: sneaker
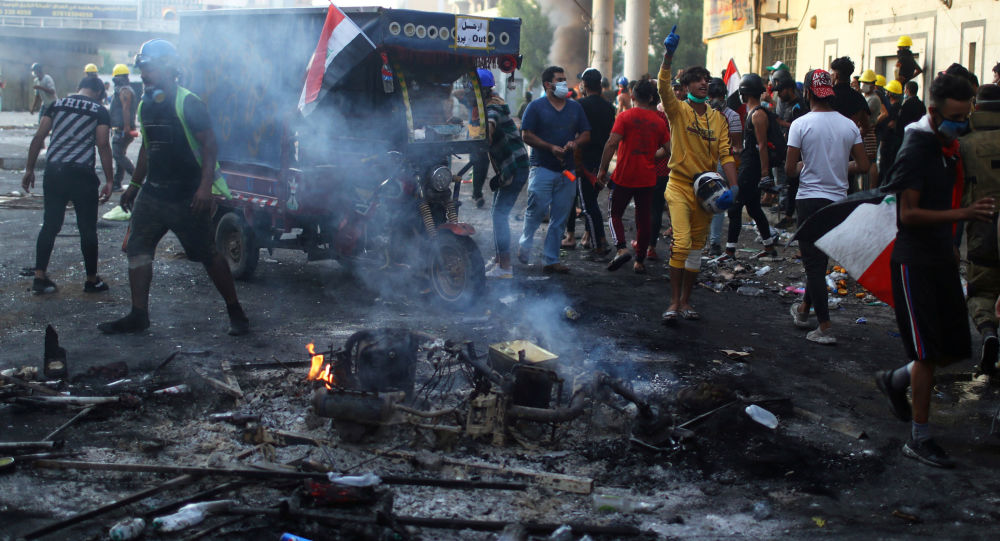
{"points": [[988, 355], [555, 268], [928, 452], [135, 321], [897, 398], [715, 250], [41, 286], [767, 255], [731, 253], [799, 319], [499, 272], [822, 337], [95, 287], [480, 202], [651, 254]]}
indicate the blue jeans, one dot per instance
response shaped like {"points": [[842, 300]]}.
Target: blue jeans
{"points": [[715, 232], [503, 202], [547, 190]]}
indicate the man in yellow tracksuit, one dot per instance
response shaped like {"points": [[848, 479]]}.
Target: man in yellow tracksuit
{"points": [[699, 142]]}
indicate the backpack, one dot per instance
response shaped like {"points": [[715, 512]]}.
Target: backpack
{"points": [[777, 146]]}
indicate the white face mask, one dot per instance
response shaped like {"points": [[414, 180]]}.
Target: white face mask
{"points": [[560, 89]]}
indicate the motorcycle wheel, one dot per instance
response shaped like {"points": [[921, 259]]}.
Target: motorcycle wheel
{"points": [[457, 271], [234, 239]]}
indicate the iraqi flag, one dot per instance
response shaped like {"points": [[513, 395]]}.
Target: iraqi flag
{"points": [[858, 233], [342, 45], [732, 77]]}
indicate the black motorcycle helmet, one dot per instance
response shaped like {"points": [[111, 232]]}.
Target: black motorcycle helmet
{"points": [[751, 85], [717, 88], [781, 80]]}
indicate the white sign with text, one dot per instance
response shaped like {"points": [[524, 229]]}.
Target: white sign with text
{"points": [[471, 32]]}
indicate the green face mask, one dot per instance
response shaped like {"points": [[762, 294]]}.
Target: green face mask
{"points": [[691, 97]]}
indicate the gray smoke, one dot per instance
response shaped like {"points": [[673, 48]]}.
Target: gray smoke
{"points": [[571, 39]]}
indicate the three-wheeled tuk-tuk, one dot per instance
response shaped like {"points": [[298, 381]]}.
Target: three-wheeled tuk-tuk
{"points": [[365, 177]]}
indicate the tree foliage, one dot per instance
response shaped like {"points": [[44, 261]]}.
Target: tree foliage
{"points": [[536, 35], [663, 15]]}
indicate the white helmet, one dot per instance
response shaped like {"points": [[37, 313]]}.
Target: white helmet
{"points": [[709, 187]]}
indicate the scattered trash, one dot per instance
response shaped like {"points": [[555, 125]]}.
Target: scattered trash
{"points": [[55, 356], [117, 214], [763, 270], [367, 480], [292, 537], [571, 314], [909, 517], [508, 300], [861, 321], [734, 354], [876, 303], [819, 521], [176, 389], [563, 533], [893, 334], [798, 290], [538, 278], [761, 510], [127, 529], [762, 416], [750, 291], [610, 503], [833, 301], [189, 515]]}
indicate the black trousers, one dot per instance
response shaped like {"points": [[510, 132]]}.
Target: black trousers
{"points": [[656, 208], [119, 145], [586, 197], [749, 182], [60, 185], [814, 261], [480, 168]]}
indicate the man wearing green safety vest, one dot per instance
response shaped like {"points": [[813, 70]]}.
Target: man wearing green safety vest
{"points": [[171, 189]]}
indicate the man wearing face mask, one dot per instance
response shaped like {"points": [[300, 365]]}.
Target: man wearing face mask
{"points": [[926, 285], [553, 127], [123, 107], [699, 142], [981, 163], [717, 95], [171, 189]]}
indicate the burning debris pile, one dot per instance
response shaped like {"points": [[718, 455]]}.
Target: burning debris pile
{"points": [[394, 435]]}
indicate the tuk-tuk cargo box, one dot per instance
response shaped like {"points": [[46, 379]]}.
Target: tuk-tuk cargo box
{"points": [[504, 356]]}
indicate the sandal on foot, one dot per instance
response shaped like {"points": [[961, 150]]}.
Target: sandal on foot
{"points": [[669, 317], [638, 268], [690, 315]]}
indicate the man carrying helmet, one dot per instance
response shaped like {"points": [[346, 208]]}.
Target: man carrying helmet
{"points": [[699, 142], [906, 65], [45, 91], [177, 161], [123, 107], [717, 94]]}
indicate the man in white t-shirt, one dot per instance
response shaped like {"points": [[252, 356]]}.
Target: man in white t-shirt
{"points": [[820, 147]]}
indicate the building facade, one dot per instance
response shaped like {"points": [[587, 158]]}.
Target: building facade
{"points": [[806, 35]]}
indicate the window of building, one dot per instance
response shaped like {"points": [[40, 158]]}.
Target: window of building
{"points": [[781, 46]]}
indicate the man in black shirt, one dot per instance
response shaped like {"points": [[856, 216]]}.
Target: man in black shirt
{"points": [[926, 286], [123, 106], [601, 115], [179, 154], [77, 122], [911, 110], [847, 101]]}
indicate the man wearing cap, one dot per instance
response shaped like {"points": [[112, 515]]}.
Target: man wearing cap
{"points": [[624, 102], [123, 107], [890, 142], [77, 123], [90, 70], [601, 116], [906, 65], [45, 91], [820, 147], [171, 188], [788, 107]]}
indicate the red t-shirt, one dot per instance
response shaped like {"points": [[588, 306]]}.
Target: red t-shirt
{"points": [[643, 131], [662, 164]]}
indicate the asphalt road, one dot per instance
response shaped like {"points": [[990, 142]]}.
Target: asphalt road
{"points": [[292, 302]]}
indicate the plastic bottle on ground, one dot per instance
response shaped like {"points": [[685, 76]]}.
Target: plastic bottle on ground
{"points": [[128, 529]]}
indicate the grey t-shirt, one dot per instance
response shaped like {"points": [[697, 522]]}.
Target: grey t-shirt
{"points": [[874, 106], [47, 82]]}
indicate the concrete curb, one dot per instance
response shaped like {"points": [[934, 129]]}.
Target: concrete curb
{"points": [[19, 164]]}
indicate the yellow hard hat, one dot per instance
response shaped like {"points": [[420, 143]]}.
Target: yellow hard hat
{"points": [[90, 68], [904, 41], [120, 69], [894, 87], [880, 81], [868, 76]]}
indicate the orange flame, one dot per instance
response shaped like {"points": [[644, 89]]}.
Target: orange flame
{"points": [[319, 370]]}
